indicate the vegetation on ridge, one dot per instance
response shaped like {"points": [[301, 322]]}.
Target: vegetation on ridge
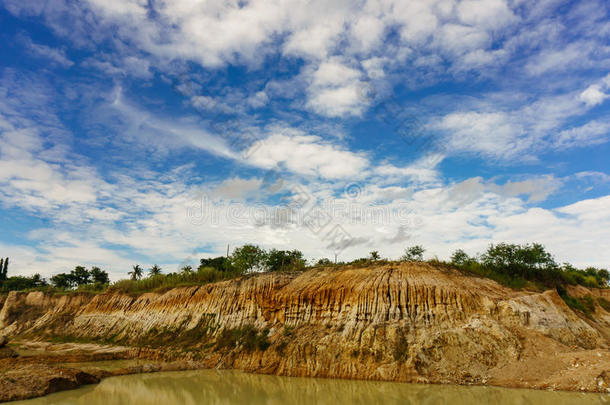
{"points": [[513, 265]]}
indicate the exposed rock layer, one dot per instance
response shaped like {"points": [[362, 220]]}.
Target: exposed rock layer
{"points": [[402, 322]]}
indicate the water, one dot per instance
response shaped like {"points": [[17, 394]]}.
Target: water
{"points": [[213, 387]]}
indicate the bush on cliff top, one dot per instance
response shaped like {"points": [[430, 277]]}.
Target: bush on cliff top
{"points": [[161, 282], [516, 265]]}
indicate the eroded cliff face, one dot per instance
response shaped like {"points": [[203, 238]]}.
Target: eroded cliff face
{"points": [[403, 322]]}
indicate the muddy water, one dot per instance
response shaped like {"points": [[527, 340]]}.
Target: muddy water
{"points": [[212, 387]]}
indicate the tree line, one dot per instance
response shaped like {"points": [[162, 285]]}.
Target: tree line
{"points": [[514, 265], [245, 259]]}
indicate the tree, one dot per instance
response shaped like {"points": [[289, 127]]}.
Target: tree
{"points": [[3, 269], [38, 281], [62, 280], [80, 275], [278, 260], [460, 258], [186, 270], [136, 273], [219, 263], [414, 254], [527, 261], [603, 276], [99, 276], [248, 258], [374, 255], [155, 270]]}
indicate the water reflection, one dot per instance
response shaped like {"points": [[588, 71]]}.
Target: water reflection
{"points": [[213, 387]]}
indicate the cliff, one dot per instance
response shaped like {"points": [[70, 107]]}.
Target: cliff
{"points": [[401, 322]]}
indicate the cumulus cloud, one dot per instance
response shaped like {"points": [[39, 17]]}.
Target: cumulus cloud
{"points": [[596, 93], [306, 155], [216, 34]]}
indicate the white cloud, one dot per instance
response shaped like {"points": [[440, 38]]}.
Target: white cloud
{"points": [[490, 133], [337, 101], [338, 44], [57, 56], [336, 90], [558, 59], [306, 155], [125, 66], [423, 171], [491, 14], [237, 188], [536, 189], [593, 95], [457, 35], [511, 127], [596, 93], [161, 132], [458, 39], [592, 133]]}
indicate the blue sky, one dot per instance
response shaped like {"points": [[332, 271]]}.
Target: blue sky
{"points": [[159, 132]]}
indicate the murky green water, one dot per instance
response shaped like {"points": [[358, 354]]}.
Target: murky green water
{"points": [[212, 387]]}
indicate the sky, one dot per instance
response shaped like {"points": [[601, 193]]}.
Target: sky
{"points": [[136, 131]]}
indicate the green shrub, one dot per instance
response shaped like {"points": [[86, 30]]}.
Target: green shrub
{"points": [[585, 304]]}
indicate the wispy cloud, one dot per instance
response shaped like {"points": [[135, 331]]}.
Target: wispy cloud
{"points": [[54, 55]]}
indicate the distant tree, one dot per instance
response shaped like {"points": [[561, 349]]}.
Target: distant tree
{"points": [[99, 276], [374, 255], [460, 258], [62, 280], [38, 281], [186, 270], [414, 254], [529, 261], [80, 275], [220, 263], [603, 277], [3, 269], [248, 258], [155, 270], [278, 260], [324, 262], [136, 272]]}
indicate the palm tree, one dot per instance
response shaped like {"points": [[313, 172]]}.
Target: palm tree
{"points": [[186, 270], [136, 273], [374, 255], [155, 270]]}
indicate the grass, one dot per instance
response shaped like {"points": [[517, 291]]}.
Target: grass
{"points": [[162, 283], [585, 304]]}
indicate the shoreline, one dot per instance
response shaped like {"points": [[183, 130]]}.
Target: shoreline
{"points": [[38, 375]]}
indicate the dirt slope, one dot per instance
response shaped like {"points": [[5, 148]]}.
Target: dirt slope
{"points": [[400, 322]]}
